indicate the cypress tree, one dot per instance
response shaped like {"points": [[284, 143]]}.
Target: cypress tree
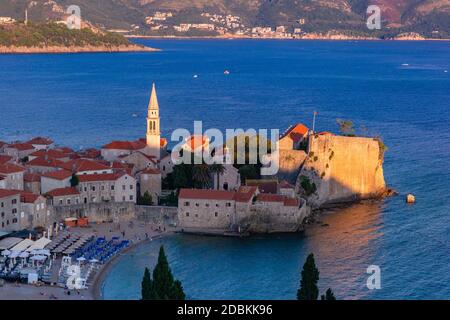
{"points": [[162, 286], [146, 285], [308, 284], [329, 295]]}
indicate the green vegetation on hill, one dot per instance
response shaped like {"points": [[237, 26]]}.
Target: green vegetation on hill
{"points": [[53, 34]]}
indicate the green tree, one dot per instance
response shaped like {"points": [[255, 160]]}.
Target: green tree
{"points": [[201, 176], [329, 295], [308, 283], [74, 181], [162, 286], [146, 199], [146, 285], [346, 127]]}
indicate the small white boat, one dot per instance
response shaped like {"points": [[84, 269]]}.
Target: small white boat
{"points": [[405, 64], [226, 72], [195, 76], [134, 115]]}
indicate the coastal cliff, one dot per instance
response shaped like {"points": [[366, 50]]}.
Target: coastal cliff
{"points": [[74, 49], [341, 169]]}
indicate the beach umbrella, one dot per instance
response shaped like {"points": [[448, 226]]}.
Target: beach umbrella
{"points": [[93, 260], [38, 258], [24, 255], [43, 252], [81, 259], [6, 253]]}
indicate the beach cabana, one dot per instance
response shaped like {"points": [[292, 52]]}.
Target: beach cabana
{"points": [[23, 245]]}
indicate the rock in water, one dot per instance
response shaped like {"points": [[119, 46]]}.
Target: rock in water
{"points": [[410, 198]]}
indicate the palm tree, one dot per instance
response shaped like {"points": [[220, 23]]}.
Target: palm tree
{"points": [[200, 175], [217, 169]]}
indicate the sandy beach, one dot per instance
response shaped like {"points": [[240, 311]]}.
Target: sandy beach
{"points": [[135, 231]]}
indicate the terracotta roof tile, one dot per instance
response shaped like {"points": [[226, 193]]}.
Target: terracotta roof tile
{"points": [[125, 145], [63, 192], [264, 186], [58, 175], [46, 162], [79, 165], [8, 168], [296, 132], [4, 158], [40, 140], [28, 197], [21, 146], [8, 193], [151, 171], [99, 177]]}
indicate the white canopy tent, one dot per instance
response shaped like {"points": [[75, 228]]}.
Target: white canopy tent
{"points": [[8, 243], [14, 254], [23, 245], [39, 244]]}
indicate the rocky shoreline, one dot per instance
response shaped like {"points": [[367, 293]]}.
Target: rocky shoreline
{"points": [[76, 49]]}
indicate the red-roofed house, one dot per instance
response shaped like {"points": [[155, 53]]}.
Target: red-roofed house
{"points": [[44, 165], [34, 211], [19, 150], [293, 137], [112, 151], [264, 186], [52, 153], [111, 187], [87, 166], [64, 196], [139, 160], [55, 180], [13, 175], [40, 143]]}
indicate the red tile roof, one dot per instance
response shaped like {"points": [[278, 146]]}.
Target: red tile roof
{"points": [[88, 153], [46, 162], [125, 145], [63, 192], [4, 158], [32, 177], [296, 132], [28, 197], [8, 168], [40, 140], [150, 171], [201, 194], [8, 193], [58, 175], [245, 193], [21, 146], [196, 141], [99, 177], [80, 165], [52, 153], [266, 197]]}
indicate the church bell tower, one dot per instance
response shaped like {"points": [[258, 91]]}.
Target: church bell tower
{"points": [[153, 126]]}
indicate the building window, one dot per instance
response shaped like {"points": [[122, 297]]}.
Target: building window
{"points": [[217, 205], [187, 214], [14, 220], [68, 201], [216, 214], [112, 187], [14, 211], [186, 204], [2, 205], [3, 214], [131, 187], [60, 201], [131, 198], [197, 205], [206, 204], [14, 201], [93, 188], [196, 215], [124, 187], [228, 204]]}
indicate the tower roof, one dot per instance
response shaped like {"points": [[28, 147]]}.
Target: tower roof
{"points": [[153, 104]]}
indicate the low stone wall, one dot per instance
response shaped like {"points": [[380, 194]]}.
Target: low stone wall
{"points": [[96, 212], [157, 214]]}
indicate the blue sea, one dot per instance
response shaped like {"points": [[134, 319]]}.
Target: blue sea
{"points": [[397, 90]]}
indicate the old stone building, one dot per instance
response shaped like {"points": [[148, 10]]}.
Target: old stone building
{"points": [[32, 182], [12, 175], [34, 211], [64, 196], [9, 210], [111, 187], [150, 181]]}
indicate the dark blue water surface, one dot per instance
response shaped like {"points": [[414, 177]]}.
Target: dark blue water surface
{"points": [[398, 90]]}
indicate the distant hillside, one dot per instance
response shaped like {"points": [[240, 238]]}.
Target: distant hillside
{"points": [[430, 18], [53, 37]]}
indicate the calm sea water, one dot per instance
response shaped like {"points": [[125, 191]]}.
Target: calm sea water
{"points": [[398, 90]]}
